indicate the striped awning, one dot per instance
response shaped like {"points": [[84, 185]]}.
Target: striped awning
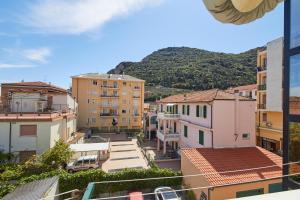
{"points": [[239, 11]]}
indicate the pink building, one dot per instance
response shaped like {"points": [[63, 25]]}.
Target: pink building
{"points": [[206, 119]]}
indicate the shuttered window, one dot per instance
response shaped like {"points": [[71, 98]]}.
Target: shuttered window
{"points": [[188, 110], [183, 109], [28, 130], [201, 137], [197, 111], [185, 131], [204, 111]]}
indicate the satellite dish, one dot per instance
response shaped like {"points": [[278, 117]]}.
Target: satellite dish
{"points": [[239, 11]]}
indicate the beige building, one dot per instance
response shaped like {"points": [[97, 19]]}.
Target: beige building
{"points": [[109, 102], [269, 97], [34, 117]]}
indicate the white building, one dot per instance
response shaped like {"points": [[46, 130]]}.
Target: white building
{"points": [[35, 118], [211, 118]]}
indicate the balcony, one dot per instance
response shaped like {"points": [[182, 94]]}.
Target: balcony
{"points": [[167, 115], [262, 106], [262, 87], [108, 115], [261, 68], [109, 96], [109, 86], [136, 96], [168, 136], [137, 88]]}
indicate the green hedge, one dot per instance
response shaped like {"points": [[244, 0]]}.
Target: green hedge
{"points": [[80, 180]]}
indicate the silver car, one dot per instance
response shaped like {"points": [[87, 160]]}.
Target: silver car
{"points": [[165, 193], [83, 163]]}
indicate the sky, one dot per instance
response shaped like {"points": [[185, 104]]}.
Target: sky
{"points": [[52, 40]]}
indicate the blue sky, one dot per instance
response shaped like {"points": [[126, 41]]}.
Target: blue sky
{"points": [[51, 40]]}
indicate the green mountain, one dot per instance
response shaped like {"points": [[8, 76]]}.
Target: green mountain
{"points": [[193, 69]]}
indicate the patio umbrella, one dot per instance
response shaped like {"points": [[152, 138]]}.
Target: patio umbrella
{"points": [[239, 11]]}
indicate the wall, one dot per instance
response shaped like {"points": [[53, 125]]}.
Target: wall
{"points": [[229, 192], [274, 75], [27, 102], [188, 168], [65, 101], [227, 121]]}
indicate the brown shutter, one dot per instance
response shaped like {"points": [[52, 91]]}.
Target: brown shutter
{"points": [[26, 130]]}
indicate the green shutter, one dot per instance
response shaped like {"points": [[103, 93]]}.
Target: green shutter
{"points": [[188, 109], [197, 110], [276, 187], [248, 193], [201, 137], [183, 109], [185, 131], [204, 111]]}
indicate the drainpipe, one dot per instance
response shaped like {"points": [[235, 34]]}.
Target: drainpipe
{"points": [[9, 142]]}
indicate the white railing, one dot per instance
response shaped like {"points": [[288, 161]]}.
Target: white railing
{"points": [[168, 115], [168, 137]]}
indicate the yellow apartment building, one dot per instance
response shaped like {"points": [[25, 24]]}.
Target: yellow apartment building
{"points": [[109, 102], [269, 97]]}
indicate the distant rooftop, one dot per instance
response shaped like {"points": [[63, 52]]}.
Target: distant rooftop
{"points": [[108, 76], [37, 84], [243, 88], [213, 161], [201, 96]]}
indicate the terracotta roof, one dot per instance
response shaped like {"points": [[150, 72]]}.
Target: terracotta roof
{"points": [[209, 160], [243, 88], [201, 96], [34, 84]]}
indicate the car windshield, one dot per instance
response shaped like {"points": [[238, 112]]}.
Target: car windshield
{"points": [[169, 195]]}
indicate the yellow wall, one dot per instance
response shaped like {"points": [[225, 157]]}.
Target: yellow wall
{"points": [[229, 192], [91, 104]]}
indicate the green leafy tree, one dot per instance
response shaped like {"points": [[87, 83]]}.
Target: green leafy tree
{"points": [[57, 156]]}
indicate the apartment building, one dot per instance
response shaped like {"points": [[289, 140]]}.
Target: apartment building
{"points": [[209, 119], [109, 102], [249, 91], [34, 116], [269, 97]]}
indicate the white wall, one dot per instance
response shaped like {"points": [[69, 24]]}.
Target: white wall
{"points": [[227, 121], [27, 102], [63, 102], [274, 75]]}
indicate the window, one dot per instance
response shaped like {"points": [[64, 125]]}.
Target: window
{"points": [[294, 146], [185, 131], [264, 117], [188, 110], [105, 83], [115, 85], [197, 111], [201, 137], [204, 112], [295, 85], [248, 193], [123, 111], [124, 83], [203, 196], [94, 82], [183, 109], [275, 187], [295, 24], [28, 130], [246, 136]]}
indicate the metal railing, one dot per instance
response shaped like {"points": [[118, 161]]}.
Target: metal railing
{"points": [[261, 106], [262, 87], [106, 95]]}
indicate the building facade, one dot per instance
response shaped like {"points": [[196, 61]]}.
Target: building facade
{"points": [[109, 102], [206, 119], [35, 115], [269, 97]]}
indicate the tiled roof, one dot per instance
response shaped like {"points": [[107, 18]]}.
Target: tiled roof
{"points": [[34, 84], [243, 88], [108, 76], [209, 160], [201, 96]]}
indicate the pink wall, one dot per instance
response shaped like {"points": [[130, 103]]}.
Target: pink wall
{"points": [[227, 121]]}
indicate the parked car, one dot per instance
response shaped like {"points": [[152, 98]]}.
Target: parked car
{"points": [[135, 196], [165, 193], [83, 163]]}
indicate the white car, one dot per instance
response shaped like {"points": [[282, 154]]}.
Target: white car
{"points": [[83, 163], [165, 193]]}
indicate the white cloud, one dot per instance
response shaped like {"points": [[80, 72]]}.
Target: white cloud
{"points": [[79, 16], [9, 66], [40, 54]]}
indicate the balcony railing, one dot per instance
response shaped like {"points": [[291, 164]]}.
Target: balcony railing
{"points": [[167, 115], [110, 86], [262, 87], [261, 68], [109, 96], [136, 96], [108, 114], [168, 136], [261, 106]]}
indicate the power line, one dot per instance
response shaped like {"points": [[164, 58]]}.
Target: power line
{"points": [[193, 175], [205, 187]]}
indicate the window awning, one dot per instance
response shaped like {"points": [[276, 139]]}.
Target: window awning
{"points": [[89, 147], [239, 11]]}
